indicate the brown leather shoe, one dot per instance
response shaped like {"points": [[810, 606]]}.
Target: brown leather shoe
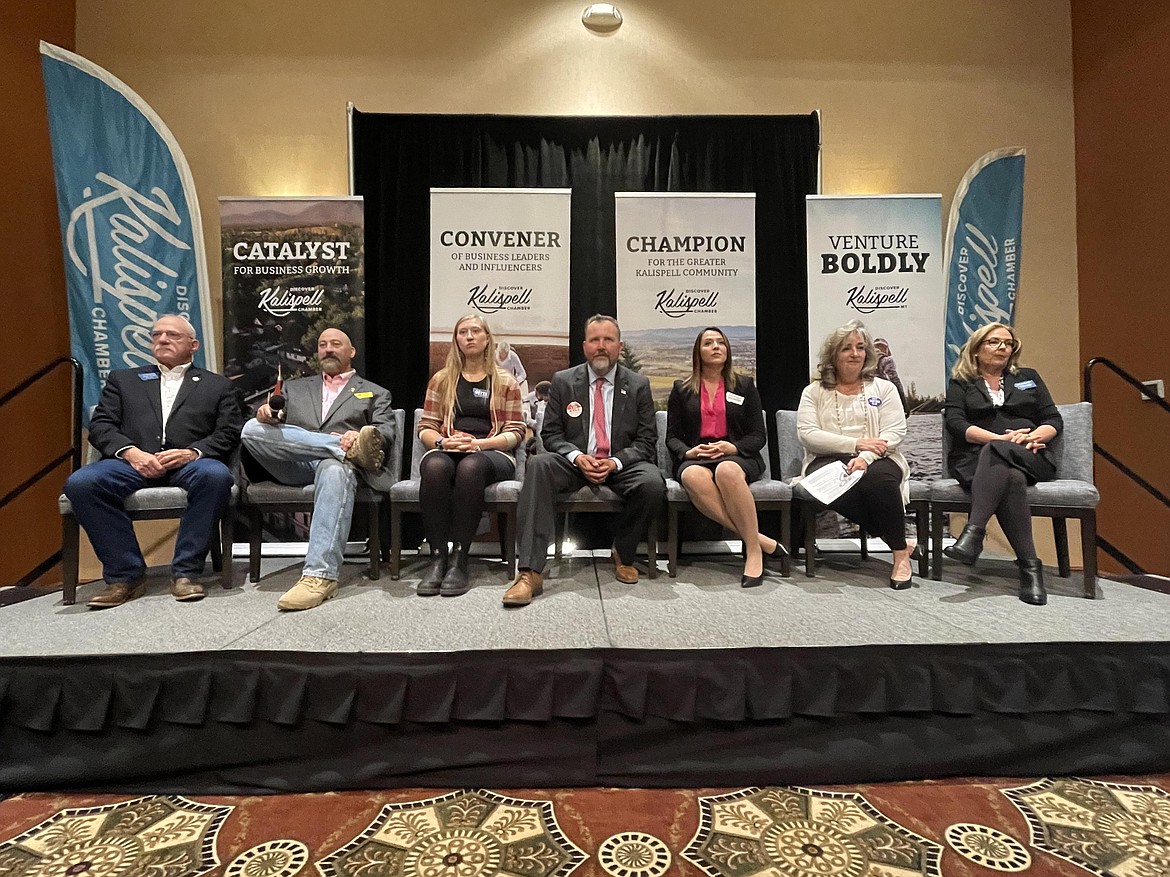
{"points": [[366, 450], [528, 584], [115, 594], [625, 573], [186, 591]]}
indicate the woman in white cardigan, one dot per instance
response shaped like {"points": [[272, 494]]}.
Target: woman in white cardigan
{"points": [[850, 415]]}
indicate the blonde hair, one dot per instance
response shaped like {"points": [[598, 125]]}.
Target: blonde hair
{"points": [[447, 378], [966, 367], [827, 357]]}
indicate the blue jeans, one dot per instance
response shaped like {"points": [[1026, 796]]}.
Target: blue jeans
{"points": [[297, 456], [98, 491]]}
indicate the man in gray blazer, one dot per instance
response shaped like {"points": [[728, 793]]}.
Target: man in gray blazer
{"points": [[330, 428], [598, 429]]}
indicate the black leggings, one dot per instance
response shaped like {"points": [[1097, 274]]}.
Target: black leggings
{"points": [[875, 502], [451, 492], [1000, 489]]}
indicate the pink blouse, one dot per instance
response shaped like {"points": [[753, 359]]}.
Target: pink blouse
{"points": [[712, 413]]}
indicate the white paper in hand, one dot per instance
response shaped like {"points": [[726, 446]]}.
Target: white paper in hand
{"points": [[829, 482]]}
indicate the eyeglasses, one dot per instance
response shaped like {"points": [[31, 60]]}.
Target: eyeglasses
{"points": [[996, 343], [164, 333]]}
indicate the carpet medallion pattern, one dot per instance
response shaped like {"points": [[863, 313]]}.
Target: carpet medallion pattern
{"points": [[163, 836], [462, 834], [634, 854], [277, 858], [797, 832], [988, 847], [1106, 828]]}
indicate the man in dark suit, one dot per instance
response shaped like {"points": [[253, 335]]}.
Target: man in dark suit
{"points": [[171, 424], [331, 428], [598, 429]]}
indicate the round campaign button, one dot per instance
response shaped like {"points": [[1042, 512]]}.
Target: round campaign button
{"points": [[874, 401], [573, 409]]}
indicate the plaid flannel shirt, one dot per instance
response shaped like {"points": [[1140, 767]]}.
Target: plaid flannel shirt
{"points": [[507, 415]]}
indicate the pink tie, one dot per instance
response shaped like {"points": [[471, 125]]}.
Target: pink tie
{"points": [[599, 431]]}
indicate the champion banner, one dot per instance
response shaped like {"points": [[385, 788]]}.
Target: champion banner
{"points": [[876, 258], [983, 247], [292, 267], [503, 254], [130, 221], [685, 261]]}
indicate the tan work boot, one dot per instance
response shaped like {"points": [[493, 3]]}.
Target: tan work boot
{"points": [[115, 594], [625, 573], [528, 584], [186, 591], [366, 451], [308, 593]]}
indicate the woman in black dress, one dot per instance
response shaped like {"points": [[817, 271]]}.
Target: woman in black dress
{"points": [[715, 432], [1001, 419]]}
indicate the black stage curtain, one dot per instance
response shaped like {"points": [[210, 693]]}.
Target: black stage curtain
{"points": [[398, 158]]}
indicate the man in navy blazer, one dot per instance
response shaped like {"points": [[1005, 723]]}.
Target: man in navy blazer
{"points": [[167, 424], [331, 429], [598, 429]]}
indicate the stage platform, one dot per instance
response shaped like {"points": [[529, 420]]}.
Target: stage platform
{"points": [[690, 681]]}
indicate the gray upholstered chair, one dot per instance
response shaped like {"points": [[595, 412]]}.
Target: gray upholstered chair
{"points": [[792, 458], [267, 497], [500, 498], [1071, 495], [148, 504], [769, 494]]}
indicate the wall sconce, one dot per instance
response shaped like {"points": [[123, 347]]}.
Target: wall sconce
{"points": [[601, 17]]}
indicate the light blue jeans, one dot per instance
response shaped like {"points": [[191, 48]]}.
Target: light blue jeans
{"points": [[297, 456]]}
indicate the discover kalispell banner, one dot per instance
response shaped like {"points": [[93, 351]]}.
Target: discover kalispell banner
{"points": [[878, 259], [130, 223], [685, 261], [292, 267], [503, 254], [983, 247]]}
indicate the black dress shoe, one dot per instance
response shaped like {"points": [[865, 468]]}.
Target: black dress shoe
{"points": [[778, 551], [1032, 581], [751, 581], [898, 585], [433, 577], [456, 581], [968, 546]]}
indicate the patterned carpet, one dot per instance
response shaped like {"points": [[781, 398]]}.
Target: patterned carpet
{"points": [[1061, 826]]}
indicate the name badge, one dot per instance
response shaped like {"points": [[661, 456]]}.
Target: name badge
{"points": [[573, 409], [480, 393], [148, 376], [733, 398], [874, 401], [1026, 385], [368, 394]]}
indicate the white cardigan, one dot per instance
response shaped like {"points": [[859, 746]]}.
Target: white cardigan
{"points": [[816, 425]]}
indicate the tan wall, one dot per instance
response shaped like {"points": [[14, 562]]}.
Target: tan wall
{"points": [[35, 428], [1122, 65]]}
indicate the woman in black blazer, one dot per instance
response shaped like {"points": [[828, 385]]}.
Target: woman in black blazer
{"points": [[1001, 419], [715, 432]]}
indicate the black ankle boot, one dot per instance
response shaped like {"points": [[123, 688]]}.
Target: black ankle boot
{"points": [[1032, 581], [968, 546], [456, 582], [433, 577]]}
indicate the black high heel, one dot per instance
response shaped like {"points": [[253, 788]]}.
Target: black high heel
{"points": [[751, 581], [903, 584]]}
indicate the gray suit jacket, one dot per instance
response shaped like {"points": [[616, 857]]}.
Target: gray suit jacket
{"points": [[632, 433]]}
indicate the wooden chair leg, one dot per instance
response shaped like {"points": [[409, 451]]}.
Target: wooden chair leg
{"points": [[936, 537], [672, 540], [257, 533], [864, 543], [922, 532], [215, 546], [561, 524], [652, 546], [395, 540], [786, 539], [227, 531], [70, 558], [1089, 552], [808, 513], [375, 537], [513, 542], [1060, 534]]}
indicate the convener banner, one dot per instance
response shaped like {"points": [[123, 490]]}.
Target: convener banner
{"points": [[292, 267], [984, 247], [685, 261], [130, 223], [878, 259], [504, 254]]}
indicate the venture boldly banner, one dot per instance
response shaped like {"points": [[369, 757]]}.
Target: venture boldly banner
{"points": [[877, 258], [984, 247], [130, 221], [504, 254], [684, 261], [291, 268]]}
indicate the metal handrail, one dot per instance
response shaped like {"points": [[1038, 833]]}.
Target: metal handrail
{"points": [[1125, 376], [73, 454]]}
